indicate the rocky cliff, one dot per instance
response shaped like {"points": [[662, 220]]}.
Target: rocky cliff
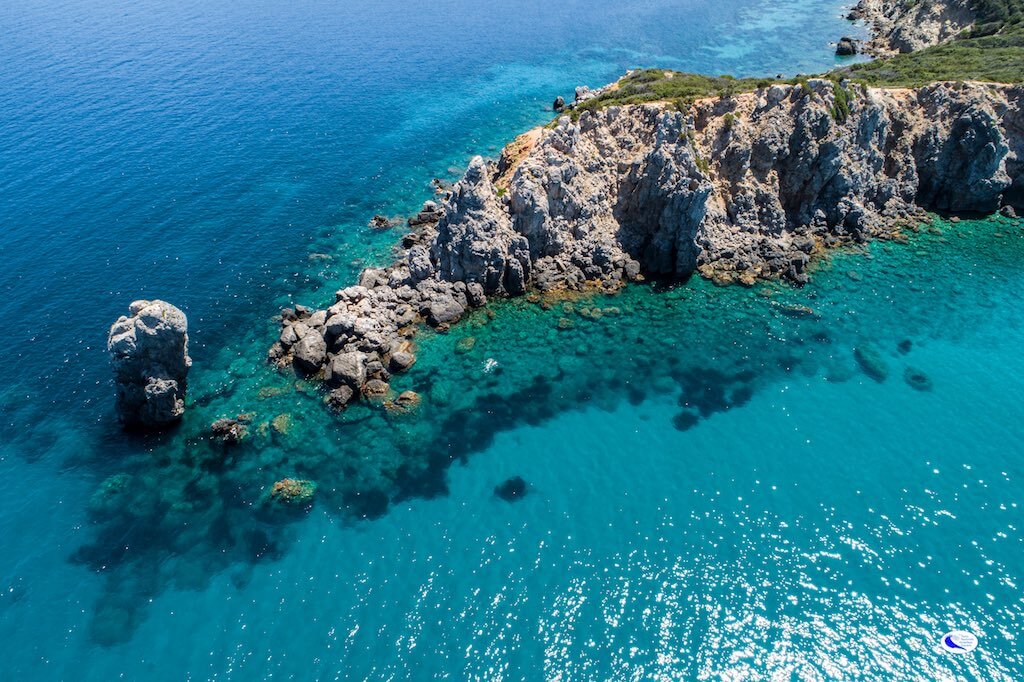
{"points": [[737, 188], [149, 355], [902, 26]]}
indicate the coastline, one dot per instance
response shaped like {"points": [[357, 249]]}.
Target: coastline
{"points": [[901, 27], [738, 188]]}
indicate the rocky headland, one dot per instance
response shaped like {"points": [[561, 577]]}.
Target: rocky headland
{"points": [[738, 188], [899, 26], [627, 184], [149, 355]]}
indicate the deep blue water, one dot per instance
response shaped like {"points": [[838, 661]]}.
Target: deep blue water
{"points": [[716, 488]]}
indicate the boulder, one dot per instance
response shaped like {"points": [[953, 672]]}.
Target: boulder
{"points": [[475, 294], [444, 310], [846, 47], [149, 355], [347, 369], [310, 353], [339, 398], [339, 324], [401, 361], [420, 267], [559, 104], [376, 389]]}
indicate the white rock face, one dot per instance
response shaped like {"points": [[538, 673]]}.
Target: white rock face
{"points": [[736, 189], [901, 26], [149, 355], [740, 188]]}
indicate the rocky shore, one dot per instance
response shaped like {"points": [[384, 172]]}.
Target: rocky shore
{"points": [[737, 189], [900, 26]]}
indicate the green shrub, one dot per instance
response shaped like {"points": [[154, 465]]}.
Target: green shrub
{"points": [[992, 51], [840, 104]]}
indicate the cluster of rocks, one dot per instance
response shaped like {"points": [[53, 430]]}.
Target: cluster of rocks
{"points": [[366, 335], [584, 94], [737, 189], [230, 431], [149, 355]]}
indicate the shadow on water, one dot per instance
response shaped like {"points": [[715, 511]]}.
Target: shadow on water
{"points": [[182, 509]]}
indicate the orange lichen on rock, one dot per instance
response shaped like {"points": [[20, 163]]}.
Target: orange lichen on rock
{"points": [[293, 491]]}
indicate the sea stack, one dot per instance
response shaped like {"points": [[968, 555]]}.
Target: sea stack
{"points": [[149, 355]]}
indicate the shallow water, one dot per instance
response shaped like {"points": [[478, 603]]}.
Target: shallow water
{"points": [[716, 487]]}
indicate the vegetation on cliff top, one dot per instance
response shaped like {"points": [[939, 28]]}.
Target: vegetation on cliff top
{"points": [[659, 85], [993, 50]]}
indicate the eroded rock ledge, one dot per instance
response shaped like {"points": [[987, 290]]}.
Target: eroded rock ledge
{"points": [[736, 189]]}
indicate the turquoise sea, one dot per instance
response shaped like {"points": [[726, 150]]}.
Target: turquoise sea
{"points": [[722, 483]]}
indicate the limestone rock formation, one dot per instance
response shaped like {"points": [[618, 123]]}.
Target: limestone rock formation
{"points": [[475, 241], [149, 355], [737, 189], [901, 26]]}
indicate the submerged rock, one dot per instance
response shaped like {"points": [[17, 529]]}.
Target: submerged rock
{"points": [[408, 399], [917, 380], [339, 398], [149, 355], [293, 491], [112, 496], [230, 431], [871, 363], [512, 489], [684, 421], [406, 402], [282, 423]]}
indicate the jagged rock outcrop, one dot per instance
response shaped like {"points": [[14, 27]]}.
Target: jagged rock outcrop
{"points": [[901, 26], [149, 355], [736, 189], [475, 240]]}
